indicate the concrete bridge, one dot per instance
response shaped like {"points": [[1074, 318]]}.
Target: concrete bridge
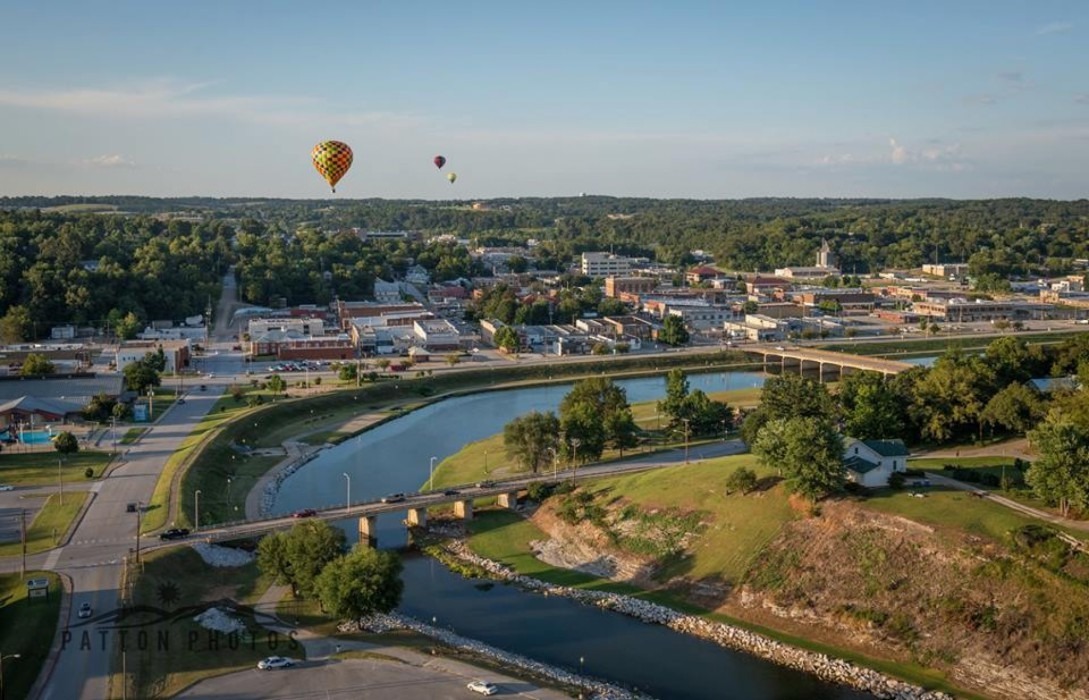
{"points": [[824, 361], [416, 504]]}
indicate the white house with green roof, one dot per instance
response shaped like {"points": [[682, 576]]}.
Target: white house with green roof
{"points": [[870, 463]]}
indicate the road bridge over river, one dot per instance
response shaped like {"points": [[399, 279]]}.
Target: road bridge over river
{"points": [[461, 497], [824, 361]]}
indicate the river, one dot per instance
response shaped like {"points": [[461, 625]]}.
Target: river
{"points": [[396, 457]]}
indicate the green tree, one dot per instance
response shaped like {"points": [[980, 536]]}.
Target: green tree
{"points": [[808, 450], [673, 332], [528, 438], [948, 401], [1061, 474], [36, 364], [1015, 408], [276, 384], [297, 557], [675, 403], [506, 339], [791, 396], [16, 326], [141, 375], [66, 443], [128, 326], [362, 582], [347, 372], [741, 479], [596, 412], [870, 408], [453, 359]]}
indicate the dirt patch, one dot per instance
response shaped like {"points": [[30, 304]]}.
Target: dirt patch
{"points": [[583, 547]]}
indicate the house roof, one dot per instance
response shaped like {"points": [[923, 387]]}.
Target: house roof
{"points": [[858, 465], [1046, 385], [32, 404], [887, 448]]}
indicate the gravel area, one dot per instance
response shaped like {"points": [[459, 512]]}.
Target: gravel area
{"points": [[222, 556], [220, 621]]}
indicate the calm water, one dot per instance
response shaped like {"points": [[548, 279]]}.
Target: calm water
{"points": [[396, 457]]}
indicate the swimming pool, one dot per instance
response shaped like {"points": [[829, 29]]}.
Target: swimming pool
{"points": [[29, 437]]}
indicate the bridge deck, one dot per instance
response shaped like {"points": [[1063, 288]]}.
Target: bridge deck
{"points": [[829, 357]]}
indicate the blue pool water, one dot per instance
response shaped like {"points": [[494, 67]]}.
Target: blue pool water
{"points": [[29, 437]]}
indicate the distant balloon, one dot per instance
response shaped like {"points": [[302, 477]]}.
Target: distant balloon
{"points": [[439, 162], [332, 160], [452, 177]]}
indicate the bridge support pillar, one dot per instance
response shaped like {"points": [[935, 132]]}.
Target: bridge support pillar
{"points": [[368, 536], [508, 500], [417, 517], [463, 509]]}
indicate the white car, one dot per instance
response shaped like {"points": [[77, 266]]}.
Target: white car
{"points": [[273, 662], [6, 487], [85, 610], [483, 687]]}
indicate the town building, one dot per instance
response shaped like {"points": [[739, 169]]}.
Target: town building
{"points": [[870, 463], [176, 352]]}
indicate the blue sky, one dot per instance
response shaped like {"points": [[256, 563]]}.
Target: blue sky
{"points": [[835, 98]]}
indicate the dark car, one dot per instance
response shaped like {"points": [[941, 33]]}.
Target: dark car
{"points": [[174, 533], [485, 484], [304, 513], [393, 498], [131, 508], [450, 492]]}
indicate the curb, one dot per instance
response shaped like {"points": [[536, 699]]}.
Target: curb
{"points": [[54, 647]]}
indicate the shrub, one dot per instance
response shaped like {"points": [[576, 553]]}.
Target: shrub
{"points": [[896, 480], [742, 479], [89, 472]]}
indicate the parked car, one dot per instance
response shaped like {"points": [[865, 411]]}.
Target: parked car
{"points": [[204, 387], [6, 487], [487, 483], [450, 492], [393, 498], [304, 513], [274, 662], [174, 533], [131, 507], [483, 687], [85, 610]]}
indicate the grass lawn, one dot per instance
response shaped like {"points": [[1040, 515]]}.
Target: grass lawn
{"points": [[224, 410], [949, 509], [40, 468], [26, 629], [173, 580], [132, 435], [49, 525]]}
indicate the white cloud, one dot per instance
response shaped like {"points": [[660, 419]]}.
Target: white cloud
{"points": [[165, 98], [1054, 28], [110, 161], [936, 156], [899, 154]]}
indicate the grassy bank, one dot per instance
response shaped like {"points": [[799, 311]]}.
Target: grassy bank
{"points": [[49, 524], [49, 468], [26, 629], [939, 344], [179, 583]]}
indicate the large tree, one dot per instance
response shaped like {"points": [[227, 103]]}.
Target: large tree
{"points": [[529, 439], [595, 412], [297, 557], [870, 408], [36, 364], [673, 332], [1060, 476], [808, 450], [362, 582], [1016, 408]]}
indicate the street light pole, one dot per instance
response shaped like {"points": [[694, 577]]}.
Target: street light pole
{"points": [[348, 502], [196, 510], [2, 657], [685, 421], [575, 442], [229, 490], [60, 481], [431, 475]]}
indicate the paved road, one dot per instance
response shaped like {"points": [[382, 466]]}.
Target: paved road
{"points": [[103, 538]]}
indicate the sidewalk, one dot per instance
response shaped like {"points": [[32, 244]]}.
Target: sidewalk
{"points": [[1010, 503]]}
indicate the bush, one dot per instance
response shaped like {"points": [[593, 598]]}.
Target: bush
{"points": [[89, 472], [742, 479], [896, 480]]}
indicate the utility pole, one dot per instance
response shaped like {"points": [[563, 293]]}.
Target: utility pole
{"points": [[685, 421], [60, 481], [137, 533], [22, 538]]}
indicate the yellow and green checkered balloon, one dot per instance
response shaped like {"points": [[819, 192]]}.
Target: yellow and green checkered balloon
{"points": [[332, 160]]}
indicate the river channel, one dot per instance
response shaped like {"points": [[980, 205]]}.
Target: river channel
{"points": [[666, 664]]}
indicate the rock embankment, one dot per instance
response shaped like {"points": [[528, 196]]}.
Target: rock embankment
{"points": [[591, 688], [820, 665]]}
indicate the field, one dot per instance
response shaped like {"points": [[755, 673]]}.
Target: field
{"points": [[26, 629], [49, 525], [48, 468], [178, 583]]}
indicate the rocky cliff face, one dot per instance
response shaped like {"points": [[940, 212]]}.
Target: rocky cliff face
{"points": [[1009, 621]]}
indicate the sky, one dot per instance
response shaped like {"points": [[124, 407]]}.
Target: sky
{"points": [[679, 99]]}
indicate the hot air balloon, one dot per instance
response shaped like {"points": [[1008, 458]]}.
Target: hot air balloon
{"points": [[451, 177], [332, 160], [440, 161]]}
